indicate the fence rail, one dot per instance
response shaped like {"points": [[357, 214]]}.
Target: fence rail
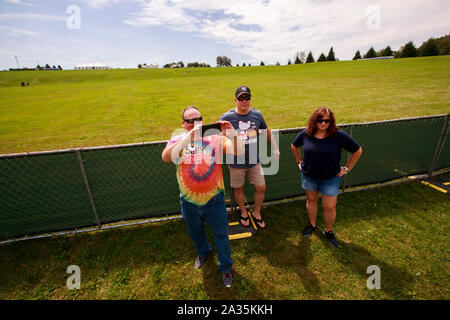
{"points": [[55, 191]]}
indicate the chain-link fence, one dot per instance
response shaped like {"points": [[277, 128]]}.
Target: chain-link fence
{"points": [[78, 188]]}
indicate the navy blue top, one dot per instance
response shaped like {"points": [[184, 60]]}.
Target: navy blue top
{"points": [[247, 127], [322, 157]]}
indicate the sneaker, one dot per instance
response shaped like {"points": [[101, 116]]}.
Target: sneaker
{"points": [[199, 262], [331, 238], [308, 230], [227, 278]]}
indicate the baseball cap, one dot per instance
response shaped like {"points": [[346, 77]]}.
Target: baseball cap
{"points": [[242, 90]]}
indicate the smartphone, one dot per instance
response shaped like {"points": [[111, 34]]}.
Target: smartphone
{"points": [[210, 129]]}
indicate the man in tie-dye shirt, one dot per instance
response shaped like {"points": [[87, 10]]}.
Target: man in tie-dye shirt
{"points": [[199, 175]]}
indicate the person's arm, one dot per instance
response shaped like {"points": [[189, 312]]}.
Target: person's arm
{"points": [[271, 139], [233, 144], [352, 160], [297, 156]]}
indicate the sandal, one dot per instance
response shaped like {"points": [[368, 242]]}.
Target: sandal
{"points": [[241, 218], [259, 222]]}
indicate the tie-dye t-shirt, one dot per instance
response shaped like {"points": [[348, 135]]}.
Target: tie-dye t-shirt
{"points": [[199, 173]]}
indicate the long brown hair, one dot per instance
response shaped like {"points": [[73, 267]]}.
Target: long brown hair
{"points": [[319, 114]]}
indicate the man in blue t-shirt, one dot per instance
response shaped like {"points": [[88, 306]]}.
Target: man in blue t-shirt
{"points": [[247, 122]]}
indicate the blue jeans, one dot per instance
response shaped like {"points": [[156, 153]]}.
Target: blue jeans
{"points": [[215, 214]]}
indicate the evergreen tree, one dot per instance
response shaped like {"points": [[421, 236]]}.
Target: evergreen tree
{"points": [[357, 55], [243, 64], [262, 64], [387, 52], [331, 56], [297, 60], [289, 62], [429, 48], [371, 53], [409, 50], [443, 44], [322, 58], [309, 58]]}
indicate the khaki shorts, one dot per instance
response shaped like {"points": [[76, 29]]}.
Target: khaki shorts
{"points": [[255, 175]]}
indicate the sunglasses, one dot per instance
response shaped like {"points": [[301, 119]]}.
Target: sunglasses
{"points": [[323, 120], [244, 97], [193, 120]]}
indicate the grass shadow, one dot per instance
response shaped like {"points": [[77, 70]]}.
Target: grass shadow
{"points": [[396, 283], [286, 253]]}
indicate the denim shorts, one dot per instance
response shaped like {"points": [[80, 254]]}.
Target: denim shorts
{"points": [[329, 187]]}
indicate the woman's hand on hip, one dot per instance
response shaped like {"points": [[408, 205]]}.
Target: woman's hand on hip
{"points": [[343, 172]]}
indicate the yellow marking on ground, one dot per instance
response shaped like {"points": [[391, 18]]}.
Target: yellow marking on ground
{"points": [[240, 235], [434, 187], [233, 223]]}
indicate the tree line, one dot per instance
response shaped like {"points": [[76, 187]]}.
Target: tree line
{"points": [[47, 66], [431, 47]]}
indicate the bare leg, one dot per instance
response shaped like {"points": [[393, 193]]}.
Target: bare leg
{"points": [[312, 198], [329, 211], [240, 200], [259, 199]]}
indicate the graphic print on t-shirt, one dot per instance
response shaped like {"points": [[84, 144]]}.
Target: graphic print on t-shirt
{"points": [[247, 132]]}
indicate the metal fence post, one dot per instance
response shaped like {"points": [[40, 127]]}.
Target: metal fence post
{"points": [[348, 155], [440, 146], [86, 182]]}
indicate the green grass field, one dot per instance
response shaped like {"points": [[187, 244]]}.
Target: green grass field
{"points": [[66, 109], [403, 229]]}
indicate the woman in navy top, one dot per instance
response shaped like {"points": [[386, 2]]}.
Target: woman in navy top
{"points": [[320, 169]]}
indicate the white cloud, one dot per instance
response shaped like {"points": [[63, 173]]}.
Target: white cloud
{"points": [[6, 53], [46, 49], [97, 4], [31, 16], [275, 30], [10, 30], [21, 3]]}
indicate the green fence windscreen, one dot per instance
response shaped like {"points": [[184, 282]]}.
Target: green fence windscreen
{"points": [[42, 193]]}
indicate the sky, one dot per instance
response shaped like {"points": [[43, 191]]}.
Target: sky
{"points": [[125, 33]]}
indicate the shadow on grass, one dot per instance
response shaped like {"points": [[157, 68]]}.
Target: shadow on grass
{"points": [[242, 288], [396, 283], [276, 253], [156, 261]]}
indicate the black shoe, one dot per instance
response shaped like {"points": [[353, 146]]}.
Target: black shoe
{"points": [[308, 230], [331, 238], [199, 262]]}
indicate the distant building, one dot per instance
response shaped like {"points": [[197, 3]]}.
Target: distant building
{"points": [[92, 66], [150, 66]]}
